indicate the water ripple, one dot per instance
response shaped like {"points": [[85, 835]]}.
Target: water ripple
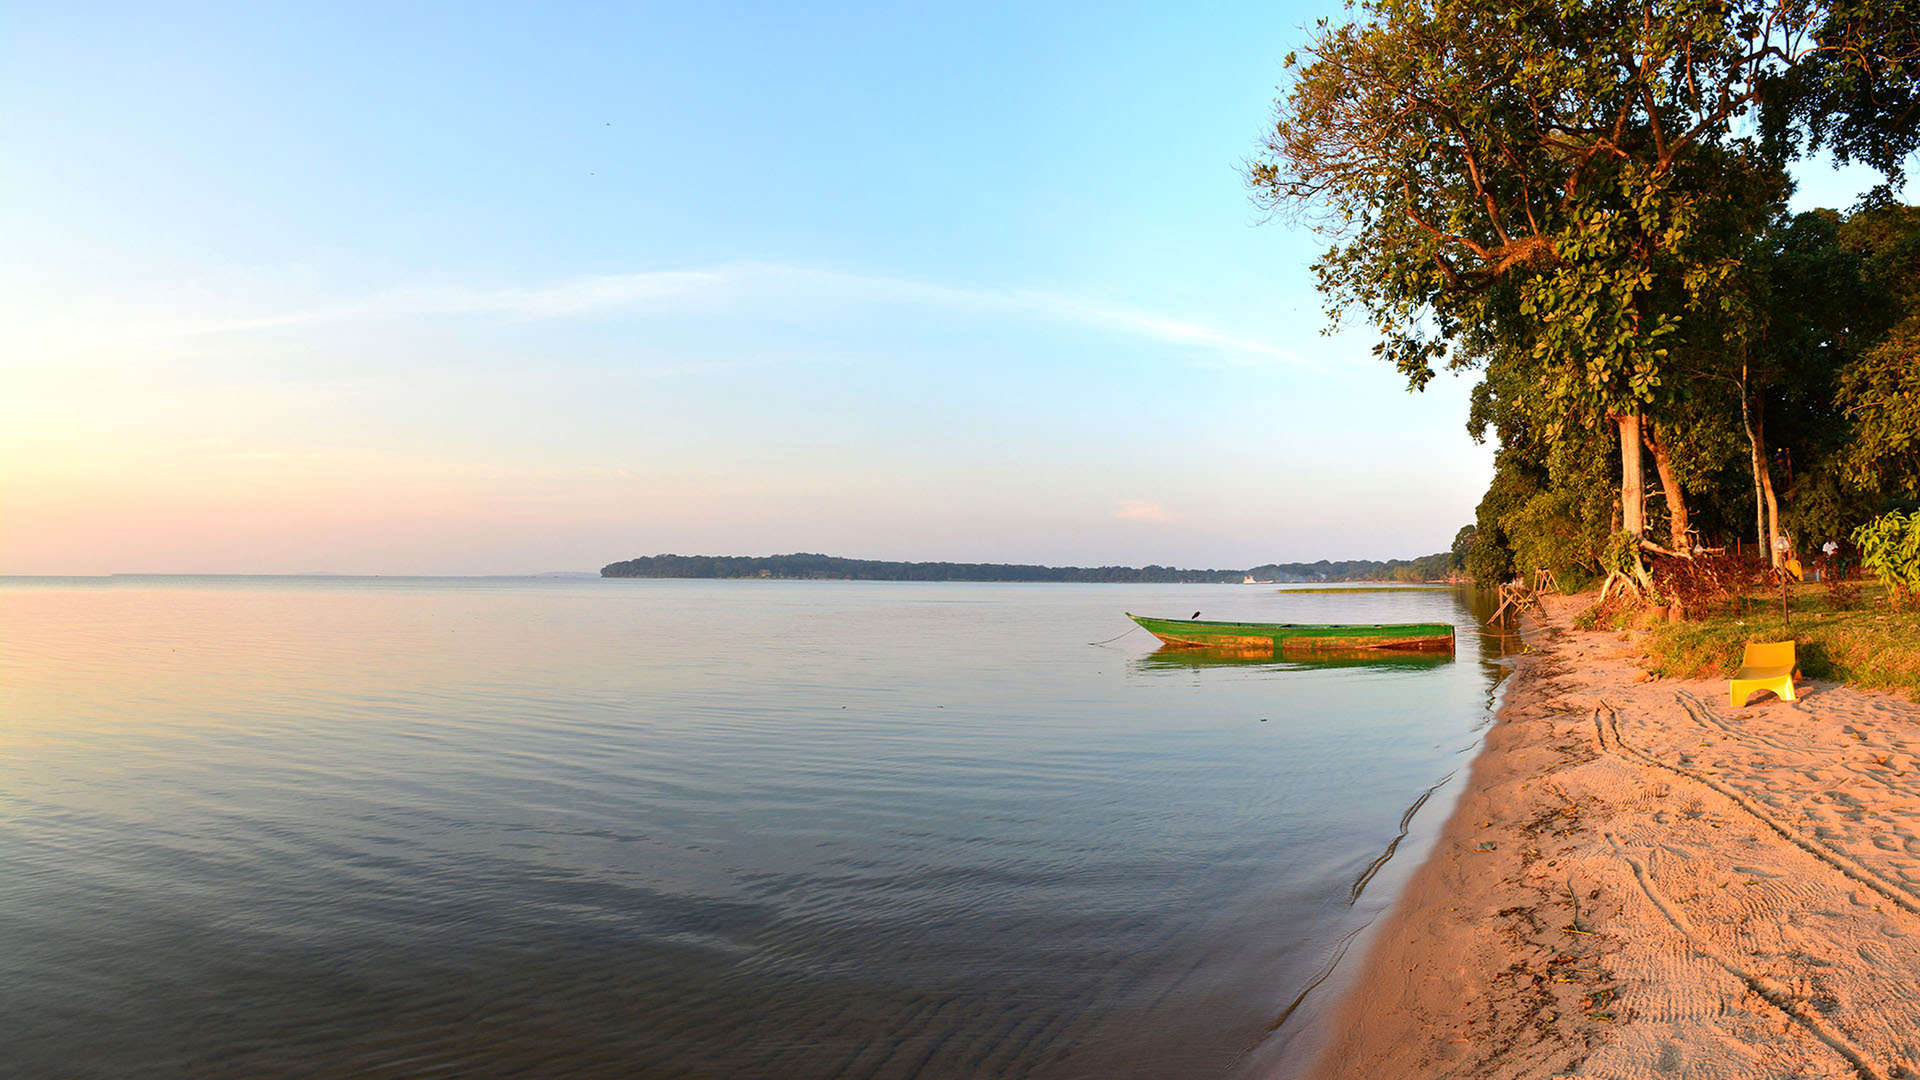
{"points": [[663, 829]]}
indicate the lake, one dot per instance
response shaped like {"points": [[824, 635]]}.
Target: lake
{"points": [[577, 827]]}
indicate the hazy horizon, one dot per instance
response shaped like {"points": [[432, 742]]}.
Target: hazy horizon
{"points": [[595, 571], [296, 289]]}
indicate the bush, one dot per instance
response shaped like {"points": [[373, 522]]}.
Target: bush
{"points": [[1705, 583], [1859, 645], [1890, 547], [1617, 556], [1548, 531]]}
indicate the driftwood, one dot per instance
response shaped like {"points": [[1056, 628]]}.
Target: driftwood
{"points": [[1648, 545]]}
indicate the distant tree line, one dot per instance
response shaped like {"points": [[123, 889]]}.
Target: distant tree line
{"points": [[801, 566], [1586, 204]]}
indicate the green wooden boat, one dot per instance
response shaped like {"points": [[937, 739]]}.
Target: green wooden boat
{"points": [[1300, 639]]}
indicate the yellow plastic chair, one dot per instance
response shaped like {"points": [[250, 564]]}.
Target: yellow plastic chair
{"points": [[1765, 665]]}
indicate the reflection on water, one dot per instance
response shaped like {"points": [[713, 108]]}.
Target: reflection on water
{"points": [[744, 829], [1173, 657]]}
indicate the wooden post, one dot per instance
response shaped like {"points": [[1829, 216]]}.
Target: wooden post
{"points": [[1780, 548]]}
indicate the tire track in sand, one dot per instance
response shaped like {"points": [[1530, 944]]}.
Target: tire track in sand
{"points": [[1895, 894], [1701, 713], [1769, 991]]}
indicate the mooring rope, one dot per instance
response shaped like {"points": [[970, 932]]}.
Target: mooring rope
{"points": [[1114, 638]]}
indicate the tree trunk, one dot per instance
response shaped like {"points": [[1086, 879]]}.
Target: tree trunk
{"points": [[1766, 509], [1633, 492], [1677, 522], [1633, 495], [1773, 506], [1758, 463]]}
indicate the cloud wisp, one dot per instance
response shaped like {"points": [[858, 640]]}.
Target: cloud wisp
{"points": [[729, 287], [1143, 511]]}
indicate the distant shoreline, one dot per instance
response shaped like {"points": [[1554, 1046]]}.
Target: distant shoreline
{"points": [[810, 567]]}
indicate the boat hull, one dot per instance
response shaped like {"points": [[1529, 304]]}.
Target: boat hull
{"points": [[1301, 639]]}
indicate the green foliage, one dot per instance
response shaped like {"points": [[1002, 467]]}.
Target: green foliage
{"points": [[1425, 568], [1822, 505], [1586, 205], [1552, 513], [1490, 562], [1880, 393], [1838, 637], [1462, 544], [1878, 388], [1618, 556], [1858, 91], [1490, 559], [1551, 185], [1839, 364], [1890, 547], [1550, 530], [1435, 567]]}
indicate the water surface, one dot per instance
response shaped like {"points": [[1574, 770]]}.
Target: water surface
{"points": [[412, 827]]}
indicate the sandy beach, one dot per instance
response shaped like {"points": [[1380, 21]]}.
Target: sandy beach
{"points": [[1642, 882]]}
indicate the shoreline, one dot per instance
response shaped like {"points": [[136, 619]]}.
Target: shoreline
{"points": [[1637, 881]]}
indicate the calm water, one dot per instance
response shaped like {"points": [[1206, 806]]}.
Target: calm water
{"points": [[690, 829]]}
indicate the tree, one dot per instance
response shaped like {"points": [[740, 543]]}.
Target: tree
{"points": [[1546, 186], [1565, 197], [1834, 385], [1462, 544], [1879, 388], [1856, 91], [1808, 289]]}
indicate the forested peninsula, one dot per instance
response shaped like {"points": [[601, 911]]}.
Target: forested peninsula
{"points": [[1434, 567]]}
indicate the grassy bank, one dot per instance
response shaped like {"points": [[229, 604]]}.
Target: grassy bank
{"points": [[1362, 586], [1858, 640]]}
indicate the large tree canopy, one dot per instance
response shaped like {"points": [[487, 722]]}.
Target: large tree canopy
{"points": [[1497, 173], [1857, 91], [1569, 196]]}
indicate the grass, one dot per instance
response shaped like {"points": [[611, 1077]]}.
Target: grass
{"points": [[1860, 641]]}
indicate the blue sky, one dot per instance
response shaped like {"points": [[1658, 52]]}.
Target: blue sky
{"points": [[476, 289]]}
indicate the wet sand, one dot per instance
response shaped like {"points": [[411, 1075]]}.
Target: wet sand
{"points": [[1642, 882]]}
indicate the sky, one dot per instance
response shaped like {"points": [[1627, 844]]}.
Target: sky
{"points": [[475, 289]]}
